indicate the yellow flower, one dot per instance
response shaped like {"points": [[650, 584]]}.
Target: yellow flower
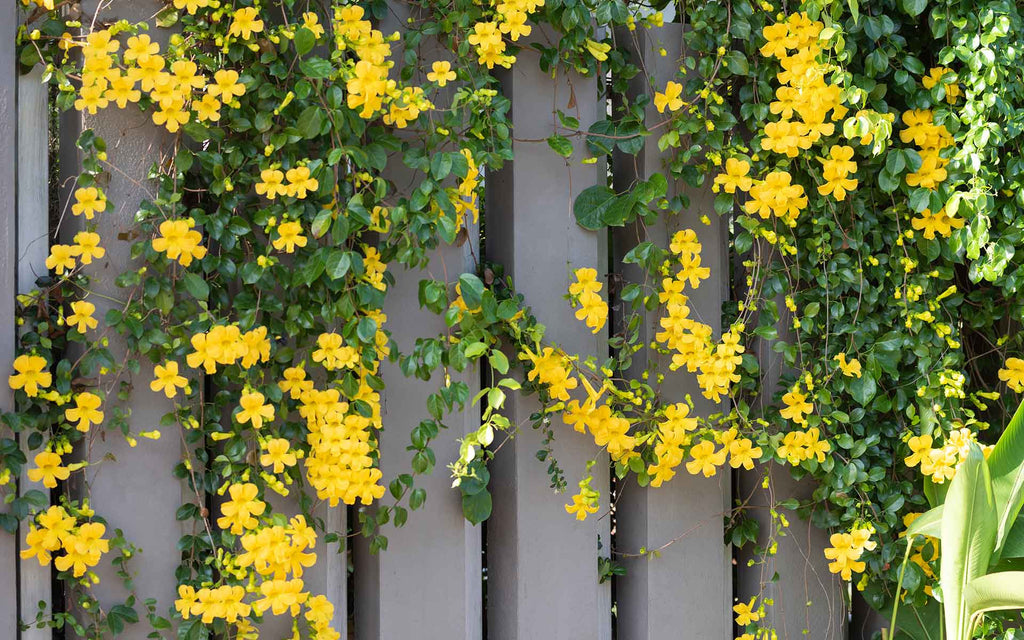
{"points": [[295, 382], [81, 317], [280, 596], [31, 375], [87, 247], [935, 76], [851, 368], [598, 49], [670, 98], [441, 73], [186, 601], [89, 201], [91, 99], [746, 613], [585, 502], [796, 406], [705, 459], [207, 109], [743, 453], [333, 354], [736, 176], [48, 470], [312, 22], [171, 115], [191, 5], [278, 455], [166, 379], [141, 45], [180, 241], [919, 447], [225, 86], [580, 507], [239, 512], [549, 368], [245, 22], [61, 258], [1012, 374], [936, 223], [289, 236], [846, 551], [299, 182], [85, 412], [83, 548], [271, 184], [836, 169], [254, 410]]}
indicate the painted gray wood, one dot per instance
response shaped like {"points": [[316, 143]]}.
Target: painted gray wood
{"points": [[143, 510], [33, 243], [427, 584], [8, 258], [657, 597], [805, 596], [542, 579], [431, 570]]}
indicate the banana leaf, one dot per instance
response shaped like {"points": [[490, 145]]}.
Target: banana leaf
{"points": [[969, 529]]}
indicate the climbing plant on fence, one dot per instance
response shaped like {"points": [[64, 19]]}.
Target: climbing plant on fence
{"points": [[868, 158]]}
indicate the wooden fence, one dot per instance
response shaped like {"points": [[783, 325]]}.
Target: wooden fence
{"points": [[531, 573]]}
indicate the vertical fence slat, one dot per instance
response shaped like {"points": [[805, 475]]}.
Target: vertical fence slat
{"points": [[657, 598], [33, 243], [431, 570], [8, 257], [427, 583], [145, 511], [805, 596], [542, 564], [329, 576]]}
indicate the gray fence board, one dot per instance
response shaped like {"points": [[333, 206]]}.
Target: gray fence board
{"points": [[805, 596], [33, 230], [431, 568], [145, 512], [8, 257], [656, 598], [542, 564]]}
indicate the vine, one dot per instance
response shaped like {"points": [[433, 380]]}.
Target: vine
{"points": [[881, 267]]}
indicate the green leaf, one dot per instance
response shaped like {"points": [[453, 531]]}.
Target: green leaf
{"points": [[316, 68], [995, 592], [724, 203], [561, 145], [338, 263], [914, 7], [1013, 546], [310, 122], [167, 17], [736, 62], [304, 41], [1006, 464], [598, 207], [472, 289], [863, 389], [321, 223], [366, 330], [477, 507], [196, 286], [499, 361], [969, 527], [928, 523], [591, 205]]}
